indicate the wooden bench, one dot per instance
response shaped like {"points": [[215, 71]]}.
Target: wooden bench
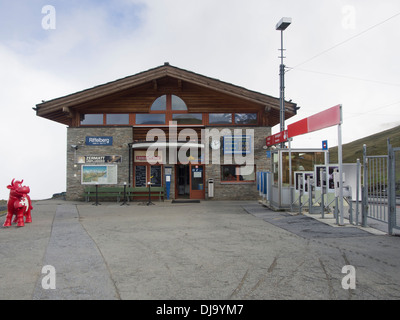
{"points": [[103, 192], [143, 192], [118, 192]]}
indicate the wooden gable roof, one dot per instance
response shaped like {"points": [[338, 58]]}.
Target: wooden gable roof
{"points": [[135, 94]]}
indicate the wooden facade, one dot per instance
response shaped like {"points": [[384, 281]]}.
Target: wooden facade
{"points": [[136, 93], [134, 97]]}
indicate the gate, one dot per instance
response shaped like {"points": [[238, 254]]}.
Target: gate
{"points": [[380, 188]]}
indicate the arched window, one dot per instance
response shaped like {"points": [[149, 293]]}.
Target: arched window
{"points": [[177, 104], [167, 108], [168, 102], [160, 104]]}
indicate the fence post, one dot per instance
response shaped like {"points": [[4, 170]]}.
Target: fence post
{"points": [[364, 207], [358, 190], [392, 189]]}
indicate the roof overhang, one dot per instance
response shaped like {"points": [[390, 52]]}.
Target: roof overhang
{"points": [[62, 109]]}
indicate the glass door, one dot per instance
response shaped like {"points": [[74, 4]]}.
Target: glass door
{"points": [[197, 181]]}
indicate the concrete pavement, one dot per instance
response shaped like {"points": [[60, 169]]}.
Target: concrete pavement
{"points": [[209, 250]]}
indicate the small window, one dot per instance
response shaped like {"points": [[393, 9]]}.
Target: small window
{"points": [[160, 104], [187, 118], [220, 118], [178, 104], [117, 118], [246, 118], [150, 118], [236, 173], [92, 119], [228, 173]]}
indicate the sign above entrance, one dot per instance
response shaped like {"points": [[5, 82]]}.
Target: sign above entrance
{"points": [[142, 156]]}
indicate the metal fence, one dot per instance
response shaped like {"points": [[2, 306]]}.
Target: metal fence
{"points": [[380, 186]]}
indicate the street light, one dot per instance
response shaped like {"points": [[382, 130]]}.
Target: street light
{"points": [[281, 26]]}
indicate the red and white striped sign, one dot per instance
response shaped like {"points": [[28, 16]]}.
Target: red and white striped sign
{"points": [[322, 120]]}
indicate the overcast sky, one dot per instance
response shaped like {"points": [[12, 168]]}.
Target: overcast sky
{"points": [[337, 52]]}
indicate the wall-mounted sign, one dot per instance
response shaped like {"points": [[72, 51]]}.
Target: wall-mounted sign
{"points": [[237, 144], [142, 156], [99, 141], [277, 138], [98, 174], [99, 159]]}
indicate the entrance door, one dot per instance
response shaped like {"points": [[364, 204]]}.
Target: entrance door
{"points": [[197, 181], [182, 181]]}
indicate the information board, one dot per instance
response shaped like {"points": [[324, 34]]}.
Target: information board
{"points": [[99, 174], [237, 144]]}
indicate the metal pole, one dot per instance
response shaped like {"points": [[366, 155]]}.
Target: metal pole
{"points": [[282, 91], [309, 195], [392, 189], [322, 171], [364, 207], [129, 163], [290, 175], [358, 190], [340, 156]]}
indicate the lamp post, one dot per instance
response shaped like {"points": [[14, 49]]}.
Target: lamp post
{"points": [[281, 26]]}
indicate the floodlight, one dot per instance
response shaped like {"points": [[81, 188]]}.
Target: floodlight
{"points": [[283, 23]]}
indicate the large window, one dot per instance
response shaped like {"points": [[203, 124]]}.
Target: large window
{"points": [[114, 119], [301, 161], [150, 118], [246, 118], [92, 119], [242, 119], [220, 118], [187, 118], [169, 107]]}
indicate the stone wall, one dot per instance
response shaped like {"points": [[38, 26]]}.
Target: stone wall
{"points": [[77, 136], [123, 135]]}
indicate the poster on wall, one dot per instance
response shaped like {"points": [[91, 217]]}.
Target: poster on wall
{"points": [[99, 174]]}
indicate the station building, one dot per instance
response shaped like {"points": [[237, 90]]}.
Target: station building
{"points": [[170, 127]]}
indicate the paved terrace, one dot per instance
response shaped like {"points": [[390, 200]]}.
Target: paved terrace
{"points": [[208, 250]]}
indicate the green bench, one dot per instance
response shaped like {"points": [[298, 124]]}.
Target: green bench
{"points": [[143, 192], [118, 192], [103, 192]]}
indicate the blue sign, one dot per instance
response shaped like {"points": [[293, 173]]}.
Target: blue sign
{"points": [[325, 145], [99, 141], [237, 144]]}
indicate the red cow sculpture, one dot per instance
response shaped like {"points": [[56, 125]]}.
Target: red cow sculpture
{"points": [[19, 204]]}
